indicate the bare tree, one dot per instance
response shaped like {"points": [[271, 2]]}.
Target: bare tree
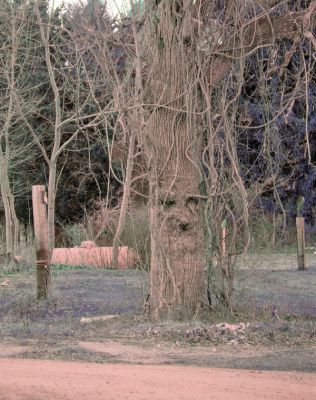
{"points": [[102, 51], [14, 83], [71, 99]]}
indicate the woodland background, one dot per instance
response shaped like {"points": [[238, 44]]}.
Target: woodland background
{"points": [[80, 91]]}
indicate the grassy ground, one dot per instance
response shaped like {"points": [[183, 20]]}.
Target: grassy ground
{"points": [[52, 329], [273, 280]]}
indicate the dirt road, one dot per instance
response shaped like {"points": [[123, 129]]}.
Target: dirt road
{"points": [[54, 380]]}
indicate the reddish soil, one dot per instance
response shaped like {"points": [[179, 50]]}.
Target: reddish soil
{"points": [[54, 380]]}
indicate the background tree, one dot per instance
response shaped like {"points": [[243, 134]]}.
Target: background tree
{"points": [[16, 65], [71, 100]]}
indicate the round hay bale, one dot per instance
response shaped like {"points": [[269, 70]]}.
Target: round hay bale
{"points": [[88, 244]]}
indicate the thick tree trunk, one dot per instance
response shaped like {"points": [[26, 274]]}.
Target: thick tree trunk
{"points": [[173, 149], [176, 224], [178, 254]]}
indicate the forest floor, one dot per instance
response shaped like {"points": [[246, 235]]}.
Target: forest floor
{"points": [[276, 329]]}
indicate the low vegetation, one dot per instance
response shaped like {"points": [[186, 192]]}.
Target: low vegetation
{"points": [[275, 325]]}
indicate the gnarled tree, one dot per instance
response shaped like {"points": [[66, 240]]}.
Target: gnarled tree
{"points": [[177, 73], [189, 140]]}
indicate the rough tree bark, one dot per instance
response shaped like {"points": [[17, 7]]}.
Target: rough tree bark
{"points": [[176, 223], [173, 150], [173, 146]]}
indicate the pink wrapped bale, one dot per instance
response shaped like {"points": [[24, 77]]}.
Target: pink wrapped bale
{"points": [[99, 257]]}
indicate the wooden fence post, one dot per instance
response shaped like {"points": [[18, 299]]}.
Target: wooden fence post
{"points": [[43, 252], [222, 239], [300, 232]]}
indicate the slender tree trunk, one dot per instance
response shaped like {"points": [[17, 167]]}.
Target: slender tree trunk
{"points": [[124, 206], [8, 220], [51, 206], [11, 220], [45, 37]]}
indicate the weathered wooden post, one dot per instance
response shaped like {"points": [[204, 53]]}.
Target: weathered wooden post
{"points": [[222, 239], [43, 252], [300, 232]]}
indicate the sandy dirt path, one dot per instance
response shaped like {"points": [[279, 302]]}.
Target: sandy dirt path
{"points": [[55, 380]]}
